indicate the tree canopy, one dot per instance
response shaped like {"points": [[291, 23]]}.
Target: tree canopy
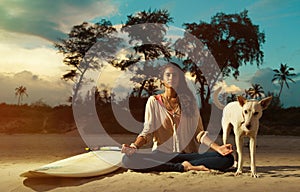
{"points": [[80, 39], [255, 91], [232, 39]]}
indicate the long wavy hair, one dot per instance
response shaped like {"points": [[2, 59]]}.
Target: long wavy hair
{"points": [[187, 100]]}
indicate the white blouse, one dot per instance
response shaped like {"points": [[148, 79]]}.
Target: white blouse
{"points": [[169, 133]]}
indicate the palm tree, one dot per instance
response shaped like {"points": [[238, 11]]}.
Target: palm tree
{"points": [[246, 93], [232, 97], [20, 92], [256, 91], [283, 75]]}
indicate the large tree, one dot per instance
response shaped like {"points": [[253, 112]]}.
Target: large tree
{"points": [[151, 37], [283, 75], [80, 39], [146, 30], [233, 40], [80, 50]]}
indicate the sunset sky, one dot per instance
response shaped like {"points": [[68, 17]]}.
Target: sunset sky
{"points": [[29, 28]]}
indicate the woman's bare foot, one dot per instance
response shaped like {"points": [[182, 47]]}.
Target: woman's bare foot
{"points": [[188, 166]]}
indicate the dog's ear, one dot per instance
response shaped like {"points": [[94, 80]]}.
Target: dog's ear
{"points": [[265, 102], [242, 100]]}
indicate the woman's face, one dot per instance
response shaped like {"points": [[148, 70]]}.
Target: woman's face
{"points": [[171, 77]]}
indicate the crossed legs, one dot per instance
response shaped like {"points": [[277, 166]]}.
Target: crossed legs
{"points": [[160, 161]]}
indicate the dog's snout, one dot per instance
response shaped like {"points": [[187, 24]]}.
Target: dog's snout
{"points": [[248, 126]]}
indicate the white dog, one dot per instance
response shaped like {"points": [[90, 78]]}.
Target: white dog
{"points": [[243, 116]]}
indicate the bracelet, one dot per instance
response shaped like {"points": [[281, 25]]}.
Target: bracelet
{"points": [[134, 145]]}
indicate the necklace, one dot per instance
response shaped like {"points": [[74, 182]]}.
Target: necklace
{"points": [[173, 109]]}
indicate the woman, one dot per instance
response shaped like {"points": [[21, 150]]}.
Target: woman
{"points": [[173, 122]]}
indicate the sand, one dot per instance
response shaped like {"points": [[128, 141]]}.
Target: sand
{"points": [[278, 164]]}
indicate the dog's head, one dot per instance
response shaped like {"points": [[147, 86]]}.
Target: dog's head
{"points": [[252, 111]]}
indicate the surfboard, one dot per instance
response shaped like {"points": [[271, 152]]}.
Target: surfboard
{"points": [[93, 163]]}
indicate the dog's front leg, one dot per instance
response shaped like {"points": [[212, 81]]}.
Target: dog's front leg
{"points": [[252, 148], [239, 140]]}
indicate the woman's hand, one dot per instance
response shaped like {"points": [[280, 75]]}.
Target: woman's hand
{"points": [[128, 149], [224, 149]]}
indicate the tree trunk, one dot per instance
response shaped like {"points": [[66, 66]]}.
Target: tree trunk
{"points": [[142, 88], [281, 86]]}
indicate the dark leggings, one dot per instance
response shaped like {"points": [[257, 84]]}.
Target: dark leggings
{"points": [[160, 161]]}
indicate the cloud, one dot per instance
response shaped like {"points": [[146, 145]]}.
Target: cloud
{"points": [[271, 6], [53, 92], [234, 89], [122, 85], [50, 19], [26, 52], [274, 9], [264, 77], [267, 4]]}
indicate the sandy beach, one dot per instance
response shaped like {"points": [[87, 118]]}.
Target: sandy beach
{"points": [[278, 161]]}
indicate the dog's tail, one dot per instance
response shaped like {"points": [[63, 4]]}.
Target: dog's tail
{"points": [[216, 99]]}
